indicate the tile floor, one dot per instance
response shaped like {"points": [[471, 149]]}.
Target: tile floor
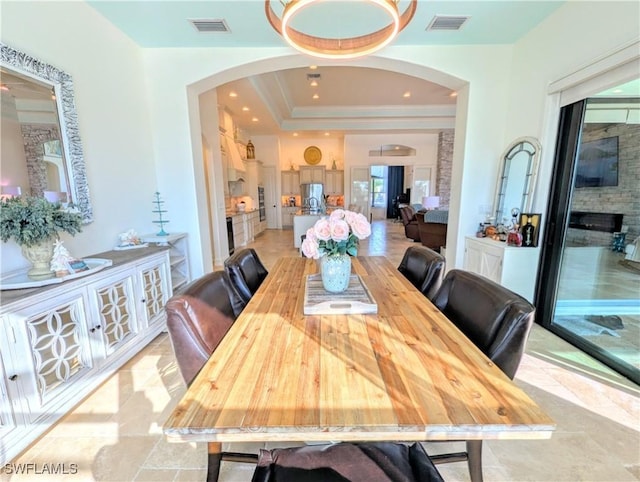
{"points": [[115, 433]]}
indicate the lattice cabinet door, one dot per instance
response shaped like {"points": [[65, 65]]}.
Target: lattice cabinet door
{"points": [[114, 322], [154, 290], [53, 338]]}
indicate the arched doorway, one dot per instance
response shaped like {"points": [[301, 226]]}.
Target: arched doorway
{"points": [[212, 175]]}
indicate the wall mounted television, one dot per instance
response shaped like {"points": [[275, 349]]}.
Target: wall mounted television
{"points": [[598, 163]]}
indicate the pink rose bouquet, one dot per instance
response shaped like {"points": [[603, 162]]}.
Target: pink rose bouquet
{"points": [[339, 233]]}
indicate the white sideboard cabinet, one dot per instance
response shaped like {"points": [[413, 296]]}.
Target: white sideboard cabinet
{"points": [[512, 267], [61, 341], [179, 255]]}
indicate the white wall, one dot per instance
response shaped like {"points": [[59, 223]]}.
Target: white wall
{"points": [[113, 116]]}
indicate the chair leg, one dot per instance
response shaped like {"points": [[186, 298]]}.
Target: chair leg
{"points": [[474, 450], [214, 458]]}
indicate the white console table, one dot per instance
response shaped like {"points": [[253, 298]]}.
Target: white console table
{"points": [[512, 267], [60, 342]]}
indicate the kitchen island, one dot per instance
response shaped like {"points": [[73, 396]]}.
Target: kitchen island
{"points": [[302, 222]]}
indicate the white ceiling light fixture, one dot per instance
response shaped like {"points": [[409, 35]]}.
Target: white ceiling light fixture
{"points": [[339, 48]]}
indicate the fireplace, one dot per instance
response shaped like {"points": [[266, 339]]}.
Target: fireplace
{"points": [[604, 222]]}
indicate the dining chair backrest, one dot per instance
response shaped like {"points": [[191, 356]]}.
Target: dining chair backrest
{"points": [[198, 318], [494, 318], [424, 268], [246, 272], [343, 462]]}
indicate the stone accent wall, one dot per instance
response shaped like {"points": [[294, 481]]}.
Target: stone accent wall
{"points": [[623, 198], [445, 162], [35, 136]]}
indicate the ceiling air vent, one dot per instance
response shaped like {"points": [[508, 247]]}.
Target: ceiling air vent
{"points": [[210, 25], [447, 22]]}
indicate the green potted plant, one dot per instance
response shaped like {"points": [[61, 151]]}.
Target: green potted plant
{"points": [[34, 223]]}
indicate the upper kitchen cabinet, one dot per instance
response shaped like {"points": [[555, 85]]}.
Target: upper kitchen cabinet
{"points": [[310, 174], [290, 183], [334, 182]]}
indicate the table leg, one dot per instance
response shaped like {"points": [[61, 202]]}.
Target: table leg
{"points": [[474, 451], [213, 461]]}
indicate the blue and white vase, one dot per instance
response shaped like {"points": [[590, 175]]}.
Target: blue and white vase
{"points": [[335, 271]]}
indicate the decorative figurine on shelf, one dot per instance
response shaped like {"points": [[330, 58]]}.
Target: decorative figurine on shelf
{"points": [[514, 238], [251, 152], [528, 231], [63, 264], [159, 211], [515, 212], [129, 240], [502, 230]]}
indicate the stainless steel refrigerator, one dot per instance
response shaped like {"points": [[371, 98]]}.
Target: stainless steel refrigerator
{"points": [[312, 195]]}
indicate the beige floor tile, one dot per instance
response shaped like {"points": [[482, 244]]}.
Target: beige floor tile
{"points": [[156, 475], [167, 455]]}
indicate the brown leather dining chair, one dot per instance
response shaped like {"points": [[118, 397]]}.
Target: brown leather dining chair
{"points": [[197, 320], [497, 321], [424, 268], [246, 272], [347, 462]]}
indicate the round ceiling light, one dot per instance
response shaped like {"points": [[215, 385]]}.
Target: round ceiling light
{"points": [[339, 48]]}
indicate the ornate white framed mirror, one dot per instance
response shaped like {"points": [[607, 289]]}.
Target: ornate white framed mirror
{"points": [[516, 178], [41, 147]]}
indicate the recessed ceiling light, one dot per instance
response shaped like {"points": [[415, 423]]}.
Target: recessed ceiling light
{"points": [[254, 119], [295, 134], [453, 94], [245, 109], [327, 134], [617, 91], [316, 96], [233, 94], [314, 83], [406, 94], [313, 67]]}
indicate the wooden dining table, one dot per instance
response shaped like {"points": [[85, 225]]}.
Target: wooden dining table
{"points": [[405, 373]]}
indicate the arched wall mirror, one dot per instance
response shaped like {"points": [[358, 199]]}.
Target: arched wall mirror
{"points": [[40, 145], [516, 178]]}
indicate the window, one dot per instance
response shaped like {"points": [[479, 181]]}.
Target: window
{"points": [[379, 186]]}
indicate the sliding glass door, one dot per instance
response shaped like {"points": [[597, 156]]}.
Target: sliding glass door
{"points": [[589, 287]]}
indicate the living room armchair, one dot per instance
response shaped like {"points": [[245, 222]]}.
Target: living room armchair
{"points": [[410, 223], [432, 229]]}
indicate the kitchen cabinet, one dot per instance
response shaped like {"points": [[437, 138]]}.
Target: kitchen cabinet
{"points": [[290, 183], [288, 214], [179, 255], [310, 174], [253, 220], [238, 224], [61, 341], [334, 182], [512, 267]]}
